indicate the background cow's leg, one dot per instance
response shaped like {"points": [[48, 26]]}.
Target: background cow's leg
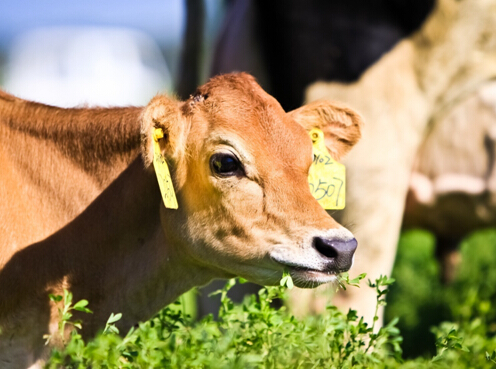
{"points": [[189, 67], [238, 46], [375, 207], [448, 254], [377, 186]]}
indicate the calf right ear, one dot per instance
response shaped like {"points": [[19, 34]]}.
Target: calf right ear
{"points": [[341, 125], [162, 113]]}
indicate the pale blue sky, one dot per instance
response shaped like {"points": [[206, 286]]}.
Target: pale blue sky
{"points": [[162, 19]]}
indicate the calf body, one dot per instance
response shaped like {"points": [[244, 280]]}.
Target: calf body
{"points": [[54, 162], [239, 164]]}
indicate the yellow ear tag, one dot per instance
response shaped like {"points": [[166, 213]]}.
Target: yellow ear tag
{"points": [[162, 172], [327, 176]]}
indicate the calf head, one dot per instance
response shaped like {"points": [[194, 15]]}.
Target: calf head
{"points": [[240, 168]]}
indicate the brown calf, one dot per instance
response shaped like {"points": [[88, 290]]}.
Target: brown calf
{"points": [[239, 164]]}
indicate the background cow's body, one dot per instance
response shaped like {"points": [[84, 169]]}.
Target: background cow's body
{"points": [[410, 98], [453, 185], [402, 96], [290, 44]]}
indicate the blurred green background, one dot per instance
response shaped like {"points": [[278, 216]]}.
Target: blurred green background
{"points": [[421, 301]]}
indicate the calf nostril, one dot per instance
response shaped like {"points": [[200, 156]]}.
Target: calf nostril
{"points": [[332, 248], [325, 247]]}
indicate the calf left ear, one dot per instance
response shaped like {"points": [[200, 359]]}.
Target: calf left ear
{"points": [[161, 113], [341, 125]]}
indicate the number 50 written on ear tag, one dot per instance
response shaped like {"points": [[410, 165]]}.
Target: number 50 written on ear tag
{"points": [[163, 173], [327, 176]]}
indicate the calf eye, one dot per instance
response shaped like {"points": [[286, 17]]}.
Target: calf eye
{"points": [[224, 164]]}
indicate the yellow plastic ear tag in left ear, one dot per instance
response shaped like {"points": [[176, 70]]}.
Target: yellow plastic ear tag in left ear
{"points": [[327, 176], [162, 171]]}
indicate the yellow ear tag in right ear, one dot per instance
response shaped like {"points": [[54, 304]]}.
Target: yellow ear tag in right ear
{"points": [[327, 177], [162, 172]]}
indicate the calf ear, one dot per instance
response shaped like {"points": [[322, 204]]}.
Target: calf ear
{"points": [[164, 113], [341, 125]]}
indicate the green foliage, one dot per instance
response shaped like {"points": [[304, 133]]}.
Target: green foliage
{"points": [[473, 293], [344, 280], [287, 281], [65, 314], [249, 335], [458, 319], [418, 297]]}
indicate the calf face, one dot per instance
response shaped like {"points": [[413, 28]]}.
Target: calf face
{"points": [[240, 168]]}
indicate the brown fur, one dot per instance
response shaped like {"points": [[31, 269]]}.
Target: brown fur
{"points": [[55, 162], [128, 253]]}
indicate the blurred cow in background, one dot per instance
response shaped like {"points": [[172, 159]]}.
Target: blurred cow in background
{"points": [[428, 107], [453, 185], [290, 44]]}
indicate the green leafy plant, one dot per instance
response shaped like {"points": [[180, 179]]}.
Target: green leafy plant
{"points": [[344, 280], [110, 325], [253, 334], [65, 314], [448, 341], [491, 357]]}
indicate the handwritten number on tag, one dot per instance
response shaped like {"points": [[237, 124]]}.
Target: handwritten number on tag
{"points": [[319, 159], [326, 177], [325, 189]]}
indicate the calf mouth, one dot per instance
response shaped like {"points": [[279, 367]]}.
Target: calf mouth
{"points": [[304, 277], [307, 277], [321, 263]]}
